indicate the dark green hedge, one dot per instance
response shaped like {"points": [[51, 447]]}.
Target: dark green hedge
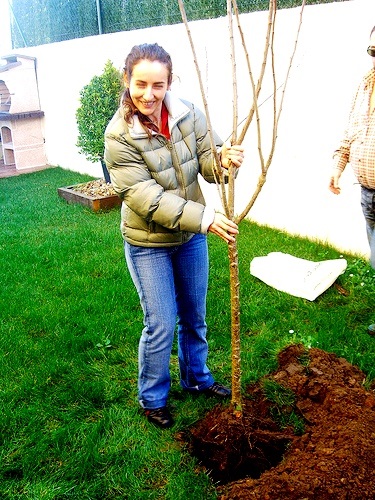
{"points": [[36, 22]]}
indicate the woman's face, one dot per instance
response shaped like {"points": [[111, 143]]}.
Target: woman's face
{"points": [[148, 85]]}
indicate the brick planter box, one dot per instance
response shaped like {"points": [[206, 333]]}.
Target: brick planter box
{"points": [[95, 203]]}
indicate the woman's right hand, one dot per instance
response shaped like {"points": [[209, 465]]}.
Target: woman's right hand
{"points": [[223, 227]]}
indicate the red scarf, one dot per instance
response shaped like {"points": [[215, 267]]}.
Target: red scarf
{"points": [[164, 122]]}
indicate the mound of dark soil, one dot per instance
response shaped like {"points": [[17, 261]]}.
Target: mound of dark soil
{"points": [[334, 458]]}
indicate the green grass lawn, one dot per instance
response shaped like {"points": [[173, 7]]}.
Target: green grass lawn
{"points": [[70, 424]]}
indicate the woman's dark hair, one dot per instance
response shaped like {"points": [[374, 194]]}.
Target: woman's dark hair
{"points": [[150, 52]]}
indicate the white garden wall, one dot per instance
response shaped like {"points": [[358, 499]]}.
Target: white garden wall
{"points": [[330, 60]]}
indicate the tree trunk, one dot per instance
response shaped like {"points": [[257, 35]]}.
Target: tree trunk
{"points": [[235, 326], [105, 172]]}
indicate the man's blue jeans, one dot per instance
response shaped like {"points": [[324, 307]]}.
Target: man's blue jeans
{"points": [[172, 286], [368, 208]]}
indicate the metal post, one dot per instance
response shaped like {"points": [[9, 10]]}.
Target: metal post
{"points": [[99, 17], [16, 22]]}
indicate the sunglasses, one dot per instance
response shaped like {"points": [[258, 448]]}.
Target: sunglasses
{"points": [[371, 51]]}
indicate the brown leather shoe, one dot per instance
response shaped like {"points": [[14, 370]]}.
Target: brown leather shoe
{"points": [[160, 417], [217, 390]]}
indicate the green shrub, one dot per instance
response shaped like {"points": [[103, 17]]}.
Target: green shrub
{"points": [[99, 100]]}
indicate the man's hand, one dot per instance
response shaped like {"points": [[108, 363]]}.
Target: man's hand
{"points": [[334, 183]]}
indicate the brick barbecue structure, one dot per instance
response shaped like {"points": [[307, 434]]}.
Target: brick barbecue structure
{"points": [[21, 132]]}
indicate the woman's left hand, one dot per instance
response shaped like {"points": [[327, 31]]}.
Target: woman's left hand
{"points": [[233, 154], [223, 227]]}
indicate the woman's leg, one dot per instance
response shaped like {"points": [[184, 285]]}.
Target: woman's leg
{"points": [[190, 265], [152, 274]]}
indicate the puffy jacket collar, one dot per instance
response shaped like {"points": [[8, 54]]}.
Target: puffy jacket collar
{"points": [[177, 110]]}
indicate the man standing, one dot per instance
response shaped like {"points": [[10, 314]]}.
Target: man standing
{"points": [[358, 148]]}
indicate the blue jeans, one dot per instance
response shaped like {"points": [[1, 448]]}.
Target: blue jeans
{"points": [[368, 208], [172, 286]]}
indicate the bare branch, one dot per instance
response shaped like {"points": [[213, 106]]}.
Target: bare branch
{"points": [[262, 71], [291, 61], [231, 169], [262, 177], [274, 128], [260, 184], [234, 72], [217, 163], [277, 117]]}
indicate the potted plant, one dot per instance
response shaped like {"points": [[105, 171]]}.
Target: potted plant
{"points": [[99, 100]]}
